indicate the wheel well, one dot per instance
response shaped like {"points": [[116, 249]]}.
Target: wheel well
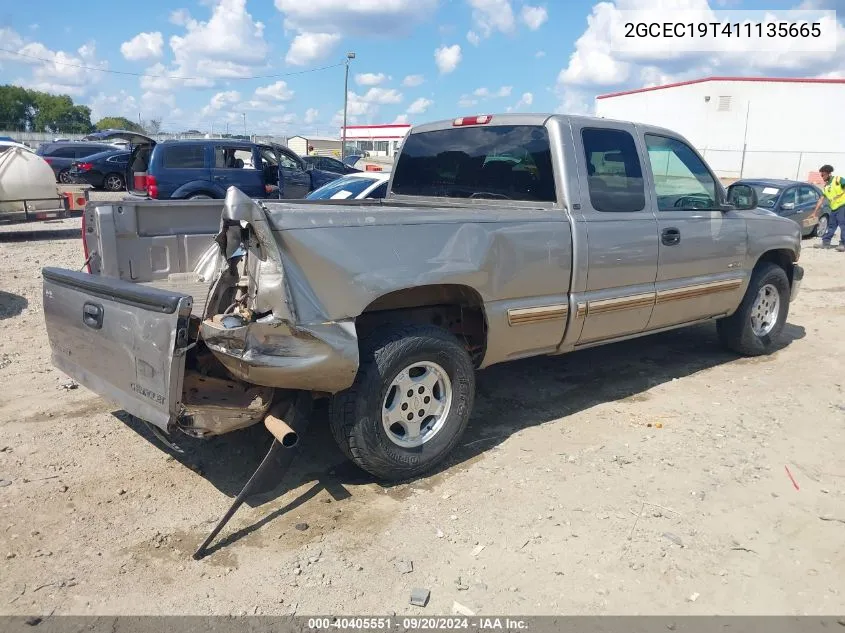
{"points": [[782, 257], [453, 307]]}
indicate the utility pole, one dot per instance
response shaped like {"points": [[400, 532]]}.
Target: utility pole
{"points": [[244, 116], [744, 140], [349, 57]]}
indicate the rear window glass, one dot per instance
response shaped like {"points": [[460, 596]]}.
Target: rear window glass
{"points": [[506, 162], [184, 157]]}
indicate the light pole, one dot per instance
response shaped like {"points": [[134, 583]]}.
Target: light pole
{"points": [[349, 57], [244, 116]]}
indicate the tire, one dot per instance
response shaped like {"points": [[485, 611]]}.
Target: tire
{"points": [[355, 415], [113, 182], [821, 227], [64, 177], [200, 196], [737, 332]]}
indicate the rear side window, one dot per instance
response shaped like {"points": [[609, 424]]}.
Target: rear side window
{"points": [[504, 162], [63, 152], [184, 157], [614, 172]]}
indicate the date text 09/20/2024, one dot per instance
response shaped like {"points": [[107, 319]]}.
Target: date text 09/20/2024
{"points": [[418, 624]]}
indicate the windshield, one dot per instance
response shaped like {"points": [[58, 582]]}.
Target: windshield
{"points": [[506, 162], [766, 195], [341, 188]]}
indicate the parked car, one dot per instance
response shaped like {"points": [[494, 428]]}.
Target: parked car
{"points": [[327, 163], [106, 170], [794, 200], [206, 168], [386, 308], [353, 187], [61, 155]]}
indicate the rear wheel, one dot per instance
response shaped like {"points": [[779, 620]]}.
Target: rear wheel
{"points": [[755, 327], [409, 405], [65, 177], [113, 182], [821, 227], [200, 196]]}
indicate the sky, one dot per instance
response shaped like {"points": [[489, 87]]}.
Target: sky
{"points": [[277, 66]]}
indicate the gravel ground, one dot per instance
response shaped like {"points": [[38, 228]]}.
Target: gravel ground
{"points": [[652, 476]]}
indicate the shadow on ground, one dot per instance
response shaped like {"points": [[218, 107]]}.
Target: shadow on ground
{"points": [[510, 397], [35, 235], [11, 305]]}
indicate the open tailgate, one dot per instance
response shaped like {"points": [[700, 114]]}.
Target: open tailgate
{"points": [[124, 341]]}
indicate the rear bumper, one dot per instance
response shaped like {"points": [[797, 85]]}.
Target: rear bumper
{"points": [[797, 278]]}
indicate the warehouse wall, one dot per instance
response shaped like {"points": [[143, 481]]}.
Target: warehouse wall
{"points": [[792, 128]]}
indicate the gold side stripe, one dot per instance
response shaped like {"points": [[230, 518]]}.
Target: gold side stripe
{"points": [[699, 290], [616, 304], [538, 314]]}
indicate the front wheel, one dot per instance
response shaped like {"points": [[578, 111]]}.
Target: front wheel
{"points": [[756, 325], [409, 405]]}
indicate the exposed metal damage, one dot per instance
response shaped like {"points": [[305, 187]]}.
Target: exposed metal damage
{"points": [[250, 326]]}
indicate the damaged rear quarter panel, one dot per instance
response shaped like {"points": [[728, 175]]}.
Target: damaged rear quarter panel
{"points": [[339, 259]]}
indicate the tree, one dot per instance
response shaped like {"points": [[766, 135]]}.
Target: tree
{"points": [[118, 123], [24, 109], [153, 126]]}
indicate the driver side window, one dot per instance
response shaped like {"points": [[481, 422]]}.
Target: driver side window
{"points": [[681, 180]]}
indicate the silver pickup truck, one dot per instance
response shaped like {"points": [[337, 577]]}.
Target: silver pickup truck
{"points": [[502, 237]]}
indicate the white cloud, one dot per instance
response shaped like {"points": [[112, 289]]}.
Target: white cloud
{"points": [[311, 115], [540, 54], [485, 93], [308, 48], [220, 101], [492, 15], [526, 99], [369, 79], [412, 81], [382, 96], [402, 119], [448, 58], [466, 101], [367, 18], [473, 38], [55, 72], [534, 17], [230, 44], [420, 106], [278, 91], [119, 103], [143, 46], [180, 17]]}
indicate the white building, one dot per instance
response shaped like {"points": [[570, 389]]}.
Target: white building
{"points": [[323, 145], [378, 140], [746, 126]]}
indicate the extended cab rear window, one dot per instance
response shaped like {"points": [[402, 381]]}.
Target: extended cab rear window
{"points": [[504, 162]]}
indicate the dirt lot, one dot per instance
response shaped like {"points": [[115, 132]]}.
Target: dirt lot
{"points": [[647, 477]]}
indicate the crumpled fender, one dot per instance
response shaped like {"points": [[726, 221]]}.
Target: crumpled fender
{"points": [[274, 350]]}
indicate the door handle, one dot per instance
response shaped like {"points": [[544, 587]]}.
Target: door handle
{"points": [[670, 236], [219, 177], [92, 315]]}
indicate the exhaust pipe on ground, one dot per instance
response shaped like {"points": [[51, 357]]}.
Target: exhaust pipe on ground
{"points": [[278, 459]]}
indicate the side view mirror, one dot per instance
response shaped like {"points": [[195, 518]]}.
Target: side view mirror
{"points": [[742, 197], [787, 206]]}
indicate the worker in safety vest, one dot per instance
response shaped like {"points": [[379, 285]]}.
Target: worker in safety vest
{"points": [[834, 191]]}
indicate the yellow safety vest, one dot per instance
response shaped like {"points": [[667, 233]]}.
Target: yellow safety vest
{"points": [[835, 192]]}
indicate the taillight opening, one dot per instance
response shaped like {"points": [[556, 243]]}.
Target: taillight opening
{"points": [[85, 166]]}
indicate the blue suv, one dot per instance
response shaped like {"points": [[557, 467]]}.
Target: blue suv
{"points": [[206, 168]]}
